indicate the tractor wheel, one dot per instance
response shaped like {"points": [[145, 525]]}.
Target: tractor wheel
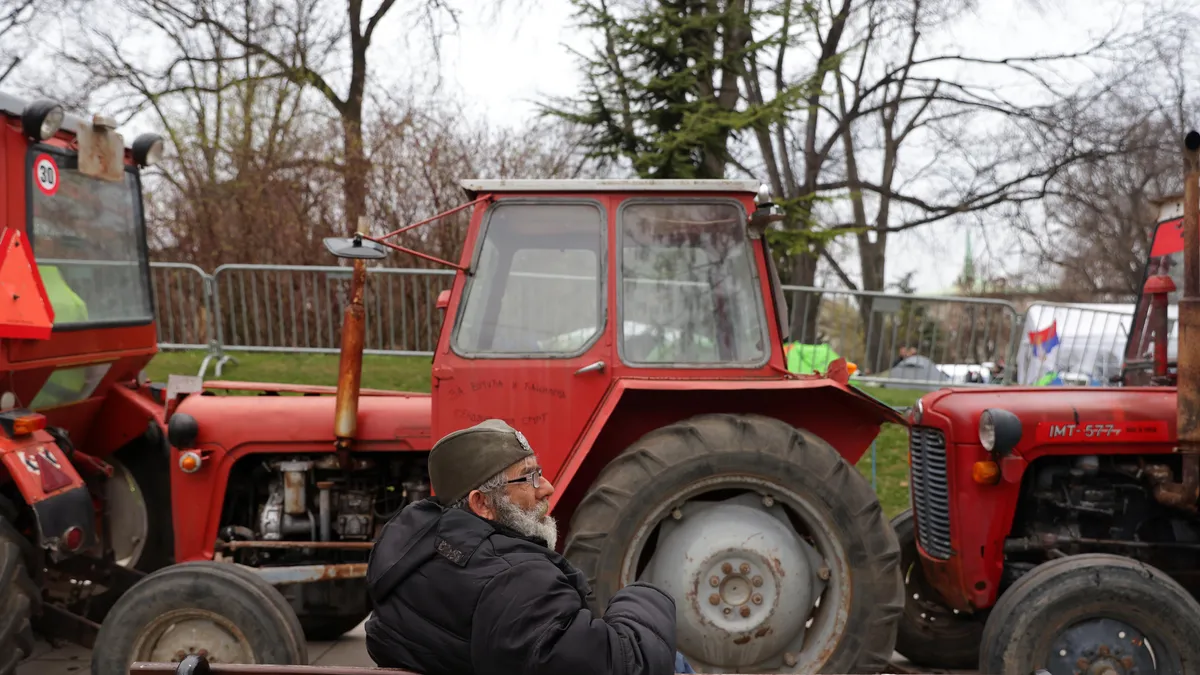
{"points": [[138, 498], [1092, 613], [223, 611], [931, 634], [774, 547], [20, 599]]}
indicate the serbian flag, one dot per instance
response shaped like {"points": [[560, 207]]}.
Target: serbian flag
{"points": [[1041, 342]]}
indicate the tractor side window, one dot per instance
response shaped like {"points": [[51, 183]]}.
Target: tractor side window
{"points": [[538, 287], [690, 294], [89, 243]]}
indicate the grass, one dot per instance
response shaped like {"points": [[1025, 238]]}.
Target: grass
{"points": [[412, 374]]}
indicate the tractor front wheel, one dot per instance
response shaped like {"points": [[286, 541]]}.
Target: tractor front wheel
{"points": [[931, 634], [20, 599], [774, 547], [1092, 613], [221, 611]]}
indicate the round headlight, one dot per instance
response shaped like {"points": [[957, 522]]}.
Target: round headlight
{"points": [[147, 149], [987, 431], [999, 431], [42, 119]]}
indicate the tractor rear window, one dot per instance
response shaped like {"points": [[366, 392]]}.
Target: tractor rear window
{"points": [[89, 243], [538, 287], [689, 291]]}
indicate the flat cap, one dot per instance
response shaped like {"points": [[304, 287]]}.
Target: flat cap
{"points": [[465, 459]]}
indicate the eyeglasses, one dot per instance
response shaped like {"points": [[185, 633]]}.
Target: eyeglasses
{"points": [[533, 478]]}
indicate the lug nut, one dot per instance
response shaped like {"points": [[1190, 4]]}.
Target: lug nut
{"points": [[757, 581], [726, 611], [745, 611], [1127, 661], [677, 514], [714, 580], [1082, 663], [768, 502], [714, 599], [823, 573], [726, 568], [757, 599], [790, 659], [745, 568]]}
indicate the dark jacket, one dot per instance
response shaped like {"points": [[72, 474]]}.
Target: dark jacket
{"points": [[455, 594]]}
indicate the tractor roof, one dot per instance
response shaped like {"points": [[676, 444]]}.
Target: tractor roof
{"points": [[15, 105], [475, 187]]}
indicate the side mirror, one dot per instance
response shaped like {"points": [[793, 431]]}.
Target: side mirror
{"points": [[354, 248], [443, 300]]}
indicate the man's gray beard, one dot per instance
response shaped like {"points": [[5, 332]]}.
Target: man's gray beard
{"points": [[532, 523]]}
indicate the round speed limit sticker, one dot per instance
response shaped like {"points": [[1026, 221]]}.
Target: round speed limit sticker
{"points": [[45, 173]]}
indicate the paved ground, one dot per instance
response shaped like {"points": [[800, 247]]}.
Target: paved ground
{"points": [[350, 650]]}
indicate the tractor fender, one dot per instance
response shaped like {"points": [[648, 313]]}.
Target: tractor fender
{"points": [[846, 418], [127, 413], [51, 487]]}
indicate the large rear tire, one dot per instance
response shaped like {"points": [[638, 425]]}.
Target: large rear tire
{"points": [[1091, 613], [774, 547], [931, 634], [227, 613], [20, 599]]}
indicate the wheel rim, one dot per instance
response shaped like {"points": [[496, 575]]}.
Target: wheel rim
{"points": [[1103, 645], [177, 634], [128, 519], [782, 576]]}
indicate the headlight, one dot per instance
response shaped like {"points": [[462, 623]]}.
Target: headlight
{"points": [[999, 431], [42, 119], [147, 149]]}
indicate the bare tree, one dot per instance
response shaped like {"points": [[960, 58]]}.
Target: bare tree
{"points": [[897, 141], [307, 43]]}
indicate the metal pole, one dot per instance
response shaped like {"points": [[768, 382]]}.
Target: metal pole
{"points": [[345, 422]]}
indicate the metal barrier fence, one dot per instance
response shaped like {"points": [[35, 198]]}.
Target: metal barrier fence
{"points": [[910, 341], [895, 340]]}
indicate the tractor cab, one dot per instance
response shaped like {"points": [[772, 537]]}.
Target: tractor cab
{"points": [[74, 195]]}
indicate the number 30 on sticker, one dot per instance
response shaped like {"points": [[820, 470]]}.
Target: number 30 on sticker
{"points": [[45, 173]]}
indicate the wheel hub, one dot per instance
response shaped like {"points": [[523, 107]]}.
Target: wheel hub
{"points": [[1101, 647], [744, 581], [176, 635]]}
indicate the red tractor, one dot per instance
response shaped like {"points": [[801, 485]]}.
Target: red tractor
{"points": [[1057, 528], [84, 480], [634, 332]]}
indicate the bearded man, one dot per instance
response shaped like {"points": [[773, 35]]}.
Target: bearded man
{"points": [[468, 582]]}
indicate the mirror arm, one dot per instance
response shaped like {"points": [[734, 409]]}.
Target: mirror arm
{"points": [[426, 256]]}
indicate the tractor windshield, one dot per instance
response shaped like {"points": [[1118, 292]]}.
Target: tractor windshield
{"points": [[1166, 256], [689, 291], [89, 240]]}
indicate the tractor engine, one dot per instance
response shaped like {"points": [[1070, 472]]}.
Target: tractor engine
{"points": [[1103, 504], [309, 498]]}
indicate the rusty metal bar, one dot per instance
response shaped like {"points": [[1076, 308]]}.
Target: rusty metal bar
{"points": [[1186, 493], [278, 544], [307, 574], [345, 416]]}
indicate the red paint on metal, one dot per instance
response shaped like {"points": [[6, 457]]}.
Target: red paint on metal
{"points": [[281, 388]]}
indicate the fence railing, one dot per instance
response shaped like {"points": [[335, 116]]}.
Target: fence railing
{"points": [[895, 340]]}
